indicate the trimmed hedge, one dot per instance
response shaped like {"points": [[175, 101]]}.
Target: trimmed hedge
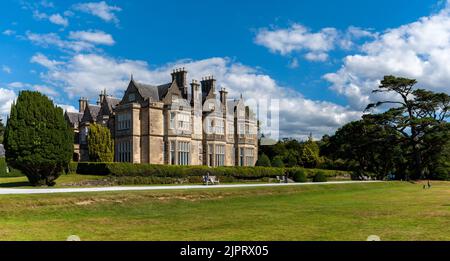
{"points": [[297, 174], [146, 170]]}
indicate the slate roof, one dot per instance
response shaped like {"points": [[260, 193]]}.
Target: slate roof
{"points": [[90, 113], [2, 151], [112, 102], [155, 93], [74, 118], [94, 110]]}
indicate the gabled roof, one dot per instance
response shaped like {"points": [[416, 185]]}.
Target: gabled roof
{"points": [[155, 93], [90, 113]]}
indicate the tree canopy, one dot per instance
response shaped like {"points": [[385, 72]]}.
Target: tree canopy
{"points": [[38, 140]]}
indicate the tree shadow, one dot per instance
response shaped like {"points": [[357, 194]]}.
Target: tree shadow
{"points": [[15, 184]]}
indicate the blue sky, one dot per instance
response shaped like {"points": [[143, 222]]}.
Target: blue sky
{"points": [[320, 58]]}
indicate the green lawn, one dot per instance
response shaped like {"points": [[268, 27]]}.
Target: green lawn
{"points": [[70, 180], [393, 211]]}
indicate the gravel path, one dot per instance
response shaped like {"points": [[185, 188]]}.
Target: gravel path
{"points": [[12, 191]]}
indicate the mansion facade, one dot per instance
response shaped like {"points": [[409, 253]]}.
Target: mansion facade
{"points": [[164, 124]]}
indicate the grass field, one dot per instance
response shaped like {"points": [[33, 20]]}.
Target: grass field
{"points": [[393, 211]]}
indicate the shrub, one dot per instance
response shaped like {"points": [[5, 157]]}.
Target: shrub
{"points": [[38, 140], [277, 162], [101, 145], [263, 161], [320, 177], [298, 175]]}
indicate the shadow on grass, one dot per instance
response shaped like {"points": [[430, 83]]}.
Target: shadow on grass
{"points": [[15, 184]]}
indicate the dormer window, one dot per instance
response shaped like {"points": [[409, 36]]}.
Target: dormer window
{"points": [[131, 97]]}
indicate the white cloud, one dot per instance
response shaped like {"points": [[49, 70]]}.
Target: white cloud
{"points": [[6, 69], [100, 9], [296, 38], [54, 18], [96, 37], [18, 85], [88, 74], [59, 20], [6, 99], [46, 90], [53, 39], [44, 61], [68, 108], [9, 32], [314, 45], [419, 50]]}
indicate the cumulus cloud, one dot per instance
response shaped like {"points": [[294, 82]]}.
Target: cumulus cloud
{"points": [[100, 9], [41, 59], [314, 45], [58, 19], [54, 18], [96, 37], [88, 74], [296, 38], [6, 99], [419, 50]]}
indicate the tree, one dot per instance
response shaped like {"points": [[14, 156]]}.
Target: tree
{"points": [[2, 131], [367, 149], [100, 144], [277, 162], [263, 161], [310, 154], [38, 140], [420, 115]]}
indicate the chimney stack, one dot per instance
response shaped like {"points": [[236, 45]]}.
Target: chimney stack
{"points": [[208, 86], [102, 96], [179, 75], [196, 93], [82, 103], [223, 96]]}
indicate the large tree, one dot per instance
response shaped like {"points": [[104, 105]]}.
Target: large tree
{"points": [[38, 140], [419, 117], [100, 144], [310, 157]]}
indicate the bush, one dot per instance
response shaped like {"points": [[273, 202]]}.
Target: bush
{"points": [[320, 177], [298, 175], [263, 161], [120, 169], [38, 140], [101, 145], [277, 162]]}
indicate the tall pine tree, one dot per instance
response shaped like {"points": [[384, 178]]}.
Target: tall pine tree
{"points": [[38, 140]]}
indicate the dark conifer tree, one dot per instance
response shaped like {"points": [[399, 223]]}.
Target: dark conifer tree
{"points": [[38, 141]]}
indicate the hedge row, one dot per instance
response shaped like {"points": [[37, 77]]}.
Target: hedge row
{"points": [[171, 171]]}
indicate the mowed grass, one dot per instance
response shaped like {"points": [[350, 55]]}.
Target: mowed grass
{"points": [[391, 210], [63, 181]]}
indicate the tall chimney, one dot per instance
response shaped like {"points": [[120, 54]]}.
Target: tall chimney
{"points": [[179, 75], [223, 96], [208, 86], [102, 96], [196, 94], [82, 103]]}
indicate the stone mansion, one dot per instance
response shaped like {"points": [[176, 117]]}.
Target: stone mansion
{"points": [[163, 124]]}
